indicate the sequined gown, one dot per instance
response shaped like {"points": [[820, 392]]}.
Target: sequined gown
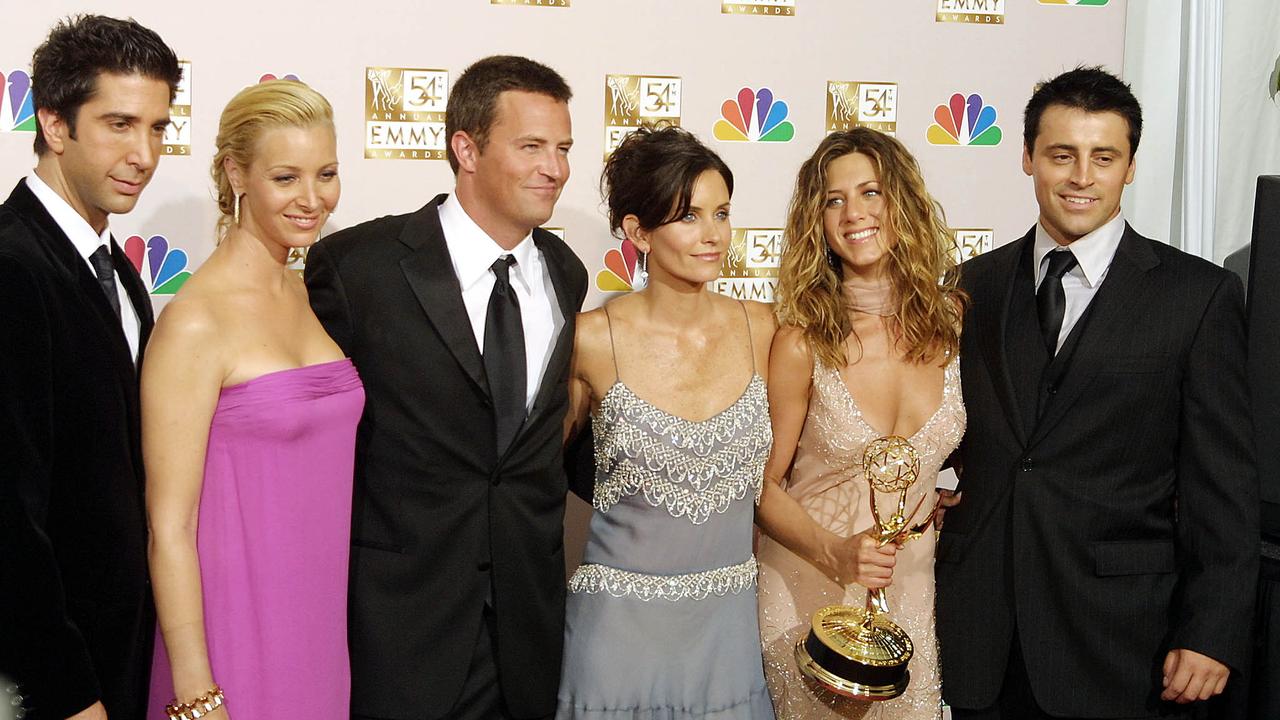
{"points": [[827, 481], [661, 615]]}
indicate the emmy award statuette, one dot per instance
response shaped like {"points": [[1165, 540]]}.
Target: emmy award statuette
{"points": [[860, 652]]}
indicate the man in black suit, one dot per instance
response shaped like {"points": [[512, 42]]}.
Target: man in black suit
{"points": [[460, 319], [1102, 561], [76, 621]]}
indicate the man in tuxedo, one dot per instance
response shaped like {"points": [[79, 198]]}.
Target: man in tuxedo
{"points": [[460, 319], [1102, 561], [76, 622]]}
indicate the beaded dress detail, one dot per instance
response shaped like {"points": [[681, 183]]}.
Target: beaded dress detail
{"points": [[827, 480], [661, 618]]}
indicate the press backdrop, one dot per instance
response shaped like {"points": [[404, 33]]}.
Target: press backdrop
{"points": [[761, 81]]}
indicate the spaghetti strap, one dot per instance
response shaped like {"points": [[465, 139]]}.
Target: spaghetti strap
{"points": [[751, 348], [613, 351]]}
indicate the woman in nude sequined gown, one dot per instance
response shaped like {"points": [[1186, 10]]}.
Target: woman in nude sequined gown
{"points": [[661, 615], [867, 349]]}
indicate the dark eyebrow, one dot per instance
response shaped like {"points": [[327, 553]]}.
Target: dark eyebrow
{"points": [[1073, 148], [542, 140], [109, 116]]}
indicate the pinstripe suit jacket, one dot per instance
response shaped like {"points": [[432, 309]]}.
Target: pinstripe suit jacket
{"points": [[1110, 507]]}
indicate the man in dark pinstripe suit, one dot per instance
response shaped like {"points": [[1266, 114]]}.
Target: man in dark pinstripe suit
{"points": [[1103, 559]]}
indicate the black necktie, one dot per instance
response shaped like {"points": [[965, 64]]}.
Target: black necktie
{"points": [[1051, 301], [101, 260], [504, 362]]}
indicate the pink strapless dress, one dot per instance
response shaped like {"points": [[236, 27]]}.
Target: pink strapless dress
{"points": [[273, 542]]}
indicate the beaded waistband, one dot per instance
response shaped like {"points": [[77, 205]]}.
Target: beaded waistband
{"points": [[593, 578]]}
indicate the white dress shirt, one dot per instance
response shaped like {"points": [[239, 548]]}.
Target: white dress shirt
{"points": [[1094, 253], [472, 253], [86, 241]]}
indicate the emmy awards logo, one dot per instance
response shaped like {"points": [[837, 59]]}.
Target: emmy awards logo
{"points": [[853, 104], [633, 100], [750, 267], [972, 242], [861, 652], [404, 111]]}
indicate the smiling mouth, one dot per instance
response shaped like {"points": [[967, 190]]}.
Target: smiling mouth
{"points": [[1077, 201], [861, 235], [305, 223]]}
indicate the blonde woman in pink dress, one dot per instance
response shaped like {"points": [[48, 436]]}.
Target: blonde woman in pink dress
{"points": [[867, 348], [249, 416]]}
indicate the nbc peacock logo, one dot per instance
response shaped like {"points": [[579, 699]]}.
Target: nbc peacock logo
{"points": [[755, 116], [272, 76], [1093, 3], [965, 121], [163, 268], [619, 270], [16, 111]]}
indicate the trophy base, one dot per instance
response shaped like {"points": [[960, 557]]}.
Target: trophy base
{"points": [[843, 686]]}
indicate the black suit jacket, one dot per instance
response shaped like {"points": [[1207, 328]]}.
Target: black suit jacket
{"points": [[1110, 508], [441, 521], [76, 622]]}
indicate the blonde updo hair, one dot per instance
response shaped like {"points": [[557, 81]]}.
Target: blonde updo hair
{"points": [[255, 109]]}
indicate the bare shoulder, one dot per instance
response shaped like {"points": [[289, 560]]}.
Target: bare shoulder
{"points": [[763, 320], [592, 329], [789, 343], [592, 351], [188, 321]]}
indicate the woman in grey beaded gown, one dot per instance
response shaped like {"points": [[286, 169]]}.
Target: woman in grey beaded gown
{"points": [[661, 620], [868, 348]]}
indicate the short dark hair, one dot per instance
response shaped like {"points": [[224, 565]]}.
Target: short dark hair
{"points": [[652, 173], [473, 99], [1091, 89], [66, 66]]}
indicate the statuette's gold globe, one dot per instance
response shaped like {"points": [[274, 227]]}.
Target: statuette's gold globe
{"points": [[892, 464]]}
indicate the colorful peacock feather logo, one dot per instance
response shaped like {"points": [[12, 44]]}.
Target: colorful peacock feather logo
{"points": [[166, 268], [1095, 3], [754, 117], [271, 76], [965, 121], [619, 268], [17, 114]]}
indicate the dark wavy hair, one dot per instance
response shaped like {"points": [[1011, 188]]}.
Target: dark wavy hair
{"points": [[66, 66], [652, 173]]}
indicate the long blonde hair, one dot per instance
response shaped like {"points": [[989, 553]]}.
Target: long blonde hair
{"points": [[920, 264], [267, 105]]}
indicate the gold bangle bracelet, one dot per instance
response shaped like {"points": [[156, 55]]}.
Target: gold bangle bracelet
{"points": [[201, 706]]}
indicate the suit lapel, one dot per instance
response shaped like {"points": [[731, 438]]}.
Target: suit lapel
{"points": [[564, 341], [79, 274], [992, 321], [1109, 317], [429, 272]]}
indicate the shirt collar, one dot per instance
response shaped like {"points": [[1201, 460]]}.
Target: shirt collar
{"points": [[75, 227], [1094, 252], [473, 251]]}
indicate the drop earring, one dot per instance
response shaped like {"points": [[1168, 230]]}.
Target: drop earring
{"points": [[235, 210], [642, 278]]}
